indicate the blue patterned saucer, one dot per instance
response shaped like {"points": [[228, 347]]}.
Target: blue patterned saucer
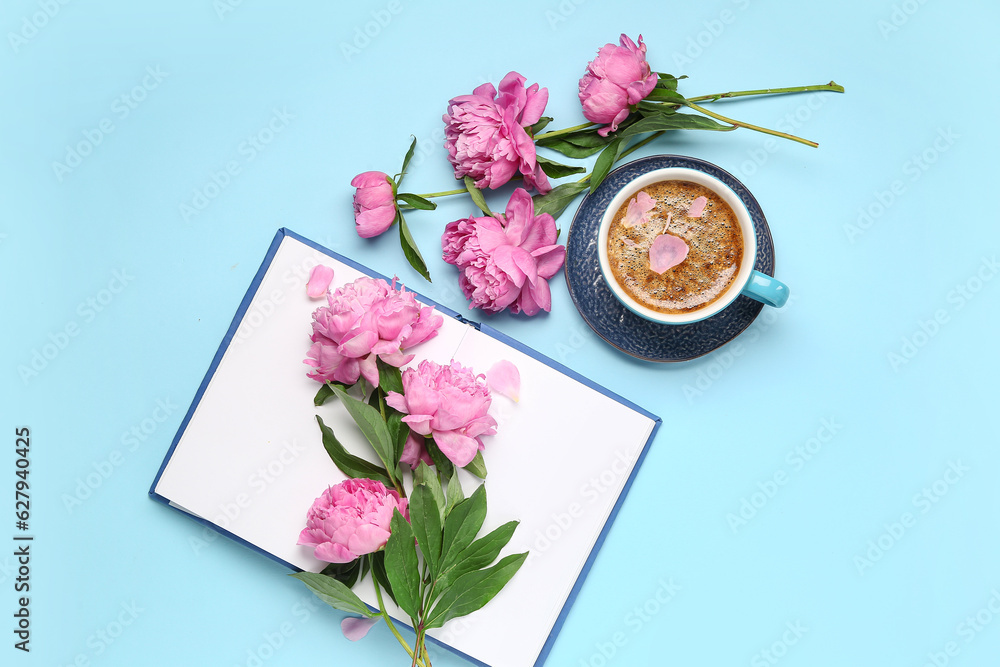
{"points": [[618, 325]]}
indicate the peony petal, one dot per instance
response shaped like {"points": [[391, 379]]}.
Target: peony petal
{"points": [[505, 379], [334, 553], [415, 451], [358, 344], [369, 179], [549, 260], [667, 251], [368, 368], [638, 207], [535, 297], [356, 627], [460, 449], [519, 214], [697, 207], [319, 281]]}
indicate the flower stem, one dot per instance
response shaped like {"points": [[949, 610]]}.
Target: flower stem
{"points": [[748, 126], [558, 133], [392, 627], [832, 87], [445, 193]]}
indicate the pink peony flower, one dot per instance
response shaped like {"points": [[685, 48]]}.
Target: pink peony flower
{"points": [[485, 135], [351, 519], [374, 203], [448, 403], [367, 320], [506, 260], [618, 78]]}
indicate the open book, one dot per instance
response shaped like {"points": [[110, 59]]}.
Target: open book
{"points": [[248, 459]]}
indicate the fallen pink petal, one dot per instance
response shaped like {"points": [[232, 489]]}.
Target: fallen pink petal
{"points": [[505, 379], [638, 207], [697, 207], [667, 252], [319, 281], [356, 627]]}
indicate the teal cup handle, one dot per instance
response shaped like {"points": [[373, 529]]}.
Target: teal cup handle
{"points": [[769, 291]]}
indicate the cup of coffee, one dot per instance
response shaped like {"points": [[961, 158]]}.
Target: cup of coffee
{"points": [[702, 269]]}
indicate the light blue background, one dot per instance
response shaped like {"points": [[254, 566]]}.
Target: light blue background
{"points": [[919, 80]]}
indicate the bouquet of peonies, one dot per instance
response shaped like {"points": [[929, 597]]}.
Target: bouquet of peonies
{"points": [[492, 136], [421, 545]]}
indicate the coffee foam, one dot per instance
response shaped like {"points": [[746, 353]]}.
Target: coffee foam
{"points": [[715, 241]]}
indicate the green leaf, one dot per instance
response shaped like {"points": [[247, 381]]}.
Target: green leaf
{"points": [[347, 573], [369, 420], [647, 109], [569, 149], [558, 198], [398, 431], [556, 170], [606, 160], [416, 201], [674, 121], [373, 399], [350, 465], [406, 160], [441, 462], [401, 566], [664, 95], [390, 378], [424, 475], [473, 590], [425, 519], [462, 525], [454, 495], [477, 466], [324, 394], [378, 573], [479, 554], [668, 81], [581, 139], [410, 249], [477, 195], [334, 593], [539, 126]]}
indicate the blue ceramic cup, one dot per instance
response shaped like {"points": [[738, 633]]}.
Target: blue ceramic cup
{"points": [[747, 282]]}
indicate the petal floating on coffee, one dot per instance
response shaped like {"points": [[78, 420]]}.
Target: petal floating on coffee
{"points": [[667, 252], [638, 207], [697, 207], [319, 281]]}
